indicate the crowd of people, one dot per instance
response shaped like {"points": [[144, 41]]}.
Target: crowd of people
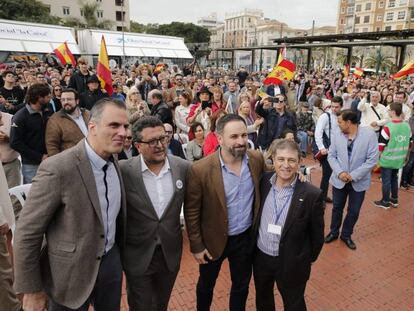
{"points": [[110, 174]]}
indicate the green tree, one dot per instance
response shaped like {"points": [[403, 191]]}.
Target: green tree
{"points": [[90, 18], [190, 32], [27, 11], [137, 27], [380, 62]]}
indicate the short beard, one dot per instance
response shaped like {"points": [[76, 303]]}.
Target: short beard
{"points": [[238, 153], [71, 110]]}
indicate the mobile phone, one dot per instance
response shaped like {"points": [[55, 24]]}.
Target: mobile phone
{"points": [[205, 104]]}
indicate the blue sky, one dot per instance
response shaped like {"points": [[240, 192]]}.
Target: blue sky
{"points": [[296, 13]]}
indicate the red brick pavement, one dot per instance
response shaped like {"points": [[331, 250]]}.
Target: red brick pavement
{"points": [[379, 275]]}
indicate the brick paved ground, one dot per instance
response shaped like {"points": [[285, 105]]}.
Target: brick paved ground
{"points": [[379, 275]]}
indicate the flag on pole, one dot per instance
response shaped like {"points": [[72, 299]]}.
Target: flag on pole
{"points": [[358, 72], [405, 71], [102, 70], [283, 71], [282, 55], [346, 70], [64, 54]]}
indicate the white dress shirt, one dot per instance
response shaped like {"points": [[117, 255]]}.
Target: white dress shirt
{"points": [[159, 187], [368, 115], [80, 122]]}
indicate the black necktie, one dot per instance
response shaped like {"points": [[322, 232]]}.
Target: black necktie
{"points": [[104, 168]]}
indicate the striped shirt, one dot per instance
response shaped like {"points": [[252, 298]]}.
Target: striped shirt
{"points": [[275, 210]]}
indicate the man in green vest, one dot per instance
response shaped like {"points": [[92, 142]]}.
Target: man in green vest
{"points": [[394, 144]]}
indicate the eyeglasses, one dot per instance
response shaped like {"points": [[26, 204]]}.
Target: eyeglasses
{"points": [[58, 90], [154, 142], [168, 132], [129, 137]]}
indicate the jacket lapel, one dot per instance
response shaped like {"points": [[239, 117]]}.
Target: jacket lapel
{"points": [[88, 178], [217, 180], [175, 174], [295, 204]]}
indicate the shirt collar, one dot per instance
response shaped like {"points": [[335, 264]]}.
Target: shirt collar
{"points": [[222, 164], [31, 111], [164, 169], [95, 159], [291, 186]]}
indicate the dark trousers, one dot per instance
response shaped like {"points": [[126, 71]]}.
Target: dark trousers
{"points": [[152, 290], [355, 199], [240, 260], [389, 178], [326, 174], [408, 170], [106, 295], [266, 271]]}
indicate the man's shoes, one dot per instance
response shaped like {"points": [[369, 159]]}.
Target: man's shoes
{"points": [[405, 185], [394, 202], [349, 243], [330, 237], [328, 200], [382, 204]]}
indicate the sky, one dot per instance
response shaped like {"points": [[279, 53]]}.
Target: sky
{"points": [[295, 13]]}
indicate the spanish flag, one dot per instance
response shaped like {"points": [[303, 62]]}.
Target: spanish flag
{"points": [[64, 54], [282, 55], [405, 71], [282, 71], [358, 72], [346, 70], [159, 67], [102, 70]]}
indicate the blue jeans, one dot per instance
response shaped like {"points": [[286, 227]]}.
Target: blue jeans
{"points": [[355, 199], [29, 171], [389, 177], [303, 140]]}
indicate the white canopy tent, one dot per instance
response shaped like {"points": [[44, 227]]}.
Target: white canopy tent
{"points": [[34, 38], [133, 44]]}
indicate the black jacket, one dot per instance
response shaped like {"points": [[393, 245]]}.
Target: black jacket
{"points": [[274, 125], [303, 233], [78, 82], [88, 99], [163, 112], [27, 135], [176, 148]]}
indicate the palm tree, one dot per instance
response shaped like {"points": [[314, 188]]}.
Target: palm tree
{"points": [[341, 58], [90, 18], [380, 62]]}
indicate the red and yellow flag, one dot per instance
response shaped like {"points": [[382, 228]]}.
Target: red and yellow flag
{"points": [[64, 54], [346, 70], [159, 67], [358, 72], [102, 70], [282, 55], [405, 71], [282, 71]]}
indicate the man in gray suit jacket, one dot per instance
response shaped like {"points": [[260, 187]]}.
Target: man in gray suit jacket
{"points": [[155, 186], [77, 202], [352, 155]]}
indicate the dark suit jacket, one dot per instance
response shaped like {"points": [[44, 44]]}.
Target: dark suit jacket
{"points": [[205, 208], [144, 227], [176, 148], [303, 233], [270, 90], [70, 219]]}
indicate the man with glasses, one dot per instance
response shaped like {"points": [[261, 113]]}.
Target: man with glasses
{"points": [[277, 119], [68, 126], [352, 154], [155, 185], [129, 150], [178, 89], [174, 146]]}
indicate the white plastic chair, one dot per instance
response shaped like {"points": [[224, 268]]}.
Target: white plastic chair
{"points": [[20, 192]]}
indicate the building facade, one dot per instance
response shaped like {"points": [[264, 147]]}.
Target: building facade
{"points": [[116, 11], [374, 15]]}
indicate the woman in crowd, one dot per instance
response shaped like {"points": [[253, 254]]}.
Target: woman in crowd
{"points": [[218, 97], [252, 126], [136, 107], [195, 147], [56, 94], [182, 111], [211, 142], [147, 81]]}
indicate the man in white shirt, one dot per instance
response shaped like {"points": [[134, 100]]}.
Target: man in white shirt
{"points": [[373, 114], [401, 98], [155, 184]]}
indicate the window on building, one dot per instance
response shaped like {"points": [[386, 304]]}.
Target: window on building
{"points": [[366, 19], [98, 0], [342, 21], [390, 16], [118, 2], [379, 18], [99, 14], [403, 2], [120, 16], [391, 3], [66, 10], [118, 28], [388, 28], [412, 13], [81, 12], [368, 6], [381, 4], [350, 10], [342, 10], [401, 15], [357, 20], [378, 28], [365, 29], [358, 8], [47, 7]]}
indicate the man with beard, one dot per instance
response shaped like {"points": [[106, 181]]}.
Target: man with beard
{"points": [[68, 126], [222, 201], [27, 135], [155, 183]]}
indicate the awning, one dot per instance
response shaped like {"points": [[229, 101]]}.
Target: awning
{"points": [[133, 44], [34, 38]]}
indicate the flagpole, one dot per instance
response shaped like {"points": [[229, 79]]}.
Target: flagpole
{"points": [[123, 34]]}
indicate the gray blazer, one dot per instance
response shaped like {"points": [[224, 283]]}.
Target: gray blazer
{"points": [[63, 206], [364, 156], [144, 228]]}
